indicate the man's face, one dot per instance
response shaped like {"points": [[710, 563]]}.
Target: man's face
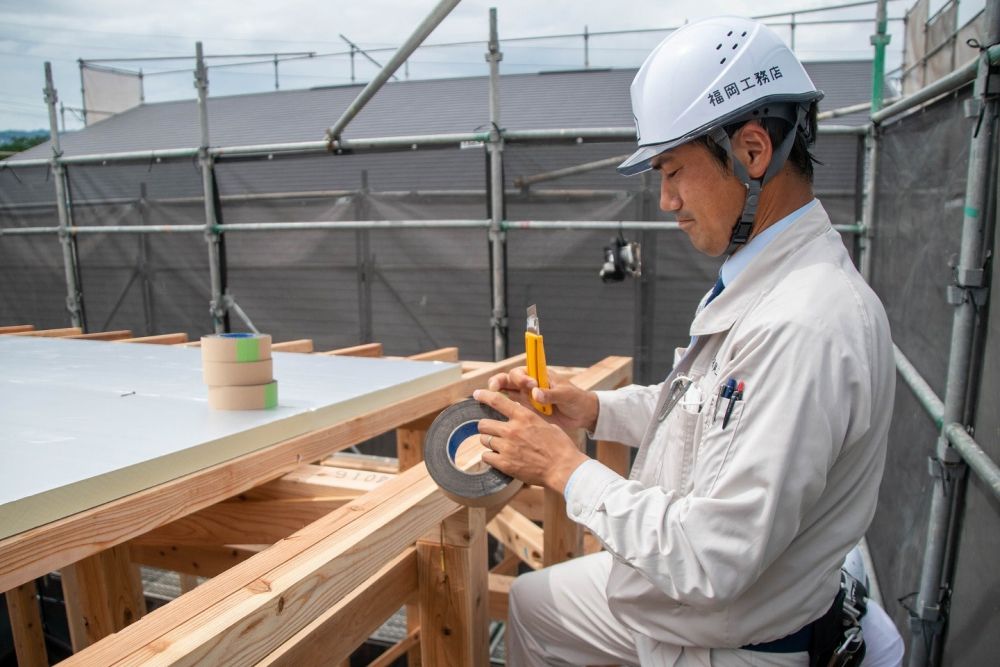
{"points": [[706, 200]]}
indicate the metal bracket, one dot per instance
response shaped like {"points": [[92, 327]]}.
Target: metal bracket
{"points": [[957, 295], [498, 322], [987, 80], [946, 470]]}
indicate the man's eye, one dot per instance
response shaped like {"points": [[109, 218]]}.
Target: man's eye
{"points": [[673, 173]]}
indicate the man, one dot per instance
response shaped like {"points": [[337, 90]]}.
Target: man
{"points": [[759, 457]]}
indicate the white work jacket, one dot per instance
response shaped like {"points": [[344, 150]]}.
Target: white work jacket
{"points": [[724, 537]]}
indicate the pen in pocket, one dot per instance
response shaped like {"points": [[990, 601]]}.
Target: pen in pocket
{"points": [[736, 396]]}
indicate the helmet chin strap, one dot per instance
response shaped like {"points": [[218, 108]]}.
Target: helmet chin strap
{"points": [[744, 225]]}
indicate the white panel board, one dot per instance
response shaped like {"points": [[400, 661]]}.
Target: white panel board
{"points": [[86, 422]]}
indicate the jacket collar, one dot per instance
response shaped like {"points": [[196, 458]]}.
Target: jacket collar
{"points": [[760, 274]]}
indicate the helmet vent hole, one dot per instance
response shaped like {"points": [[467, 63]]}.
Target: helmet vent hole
{"points": [[744, 34], [729, 34], [719, 46], [722, 62], [734, 46]]}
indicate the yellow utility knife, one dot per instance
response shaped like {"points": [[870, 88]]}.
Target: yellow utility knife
{"points": [[535, 349]]}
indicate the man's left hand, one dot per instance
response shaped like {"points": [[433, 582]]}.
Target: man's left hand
{"points": [[526, 446]]}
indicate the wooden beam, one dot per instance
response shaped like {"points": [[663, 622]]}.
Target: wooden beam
{"points": [[530, 501], [160, 339], [320, 482], [246, 613], [499, 595], [507, 566], [200, 560], [238, 521], [615, 456], [368, 462], [454, 621], [303, 345], [16, 328], [516, 532], [51, 333], [441, 354], [591, 545], [188, 582], [397, 650], [103, 335], [103, 595], [335, 634], [337, 478], [608, 373], [366, 350], [26, 626], [35, 552], [563, 537]]}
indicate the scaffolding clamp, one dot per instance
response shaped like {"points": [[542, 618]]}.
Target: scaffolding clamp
{"points": [[964, 293]]}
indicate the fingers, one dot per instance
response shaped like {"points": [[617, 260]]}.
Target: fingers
{"points": [[516, 380], [498, 401]]}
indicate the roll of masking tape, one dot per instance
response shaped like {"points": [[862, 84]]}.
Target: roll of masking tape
{"points": [[454, 426], [224, 373], [236, 347], [249, 397]]}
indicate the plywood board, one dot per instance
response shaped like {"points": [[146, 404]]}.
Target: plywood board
{"points": [[82, 424]]}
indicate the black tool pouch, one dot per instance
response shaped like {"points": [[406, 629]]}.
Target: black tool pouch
{"points": [[836, 638]]}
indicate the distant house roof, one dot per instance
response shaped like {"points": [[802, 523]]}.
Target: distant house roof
{"points": [[593, 98]]}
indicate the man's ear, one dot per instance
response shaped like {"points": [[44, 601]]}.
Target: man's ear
{"points": [[752, 146]]}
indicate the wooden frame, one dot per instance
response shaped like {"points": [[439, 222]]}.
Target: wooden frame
{"points": [[293, 550]]}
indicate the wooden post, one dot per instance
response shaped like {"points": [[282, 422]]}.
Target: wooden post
{"points": [[563, 537], [26, 626], [614, 455], [454, 591], [103, 595]]}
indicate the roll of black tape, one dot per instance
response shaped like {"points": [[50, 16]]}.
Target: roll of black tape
{"points": [[452, 427]]}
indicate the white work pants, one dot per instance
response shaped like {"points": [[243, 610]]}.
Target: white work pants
{"points": [[559, 616]]}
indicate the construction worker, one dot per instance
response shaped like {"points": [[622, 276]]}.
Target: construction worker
{"points": [[760, 455]]}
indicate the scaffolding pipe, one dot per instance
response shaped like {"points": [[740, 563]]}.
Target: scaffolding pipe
{"points": [[967, 293], [405, 51], [74, 299], [879, 40], [872, 140], [945, 84], [918, 385], [217, 305], [406, 142], [350, 225], [525, 181], [978, 460], [498, 239]]}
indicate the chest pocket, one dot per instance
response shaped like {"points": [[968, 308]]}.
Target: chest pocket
{"points": [[677, 438], [715, 442]]}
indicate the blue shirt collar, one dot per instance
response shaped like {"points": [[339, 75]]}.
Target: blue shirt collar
{"points": [[737, 262]]}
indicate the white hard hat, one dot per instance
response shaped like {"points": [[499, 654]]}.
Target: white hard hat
{"points": [[709, 74]]}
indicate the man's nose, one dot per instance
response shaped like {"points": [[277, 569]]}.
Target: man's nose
{"points": [[669, 199]]}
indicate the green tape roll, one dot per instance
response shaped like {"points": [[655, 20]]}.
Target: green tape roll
{"points": [[236, 347], [248, 349], [271, 395]]}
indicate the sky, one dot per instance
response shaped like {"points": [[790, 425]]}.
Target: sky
{"points": [[64, 31]]}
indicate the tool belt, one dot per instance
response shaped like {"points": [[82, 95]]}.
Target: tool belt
{"points": [[837, 640], [834, 639]]}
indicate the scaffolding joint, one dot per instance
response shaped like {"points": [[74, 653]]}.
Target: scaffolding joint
{"points": [[880, 39], [987, 84], [958, 295]]}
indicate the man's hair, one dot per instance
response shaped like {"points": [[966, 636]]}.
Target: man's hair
{"points": [[800, 157]]}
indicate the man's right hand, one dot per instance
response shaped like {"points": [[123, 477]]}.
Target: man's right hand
{"points": [[572, 407]]}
